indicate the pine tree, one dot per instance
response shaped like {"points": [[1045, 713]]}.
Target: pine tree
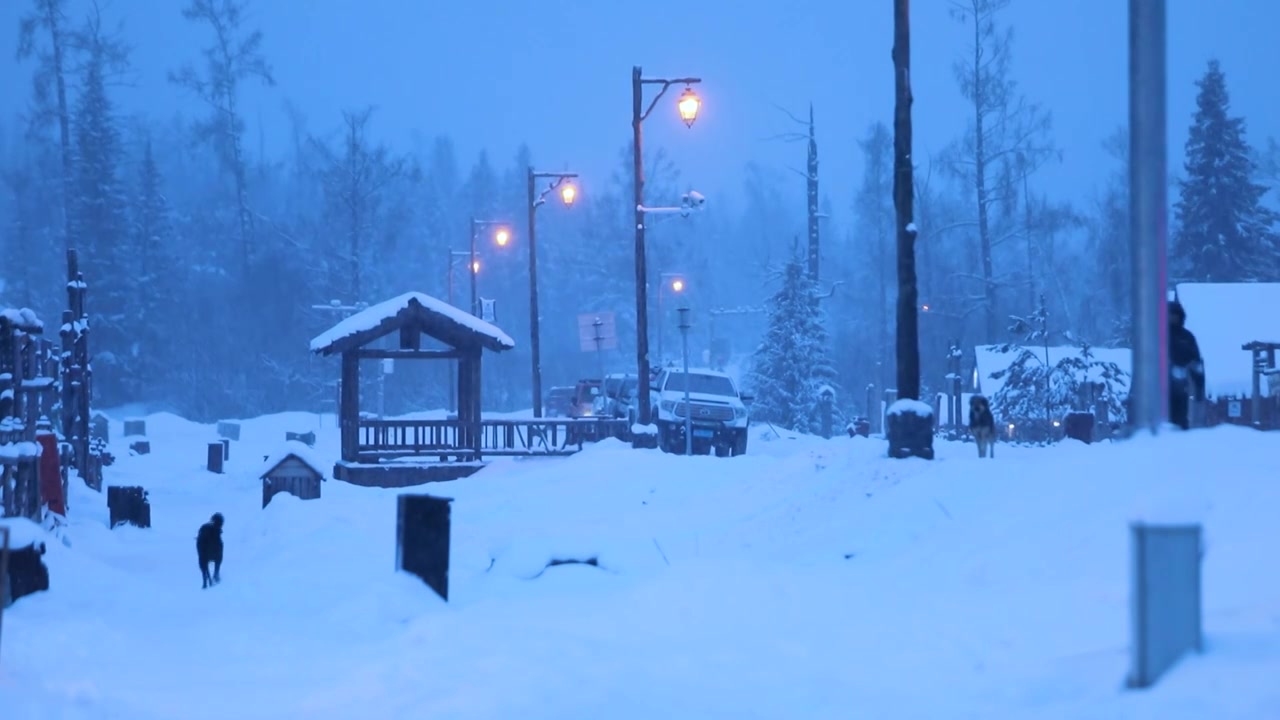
{"points": [[792, 365], [99, 209], [153, 296], [1225, 234]]}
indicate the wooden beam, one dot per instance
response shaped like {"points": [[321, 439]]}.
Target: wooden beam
{"points": [[349, 407], [376, 354], [410, 337]]}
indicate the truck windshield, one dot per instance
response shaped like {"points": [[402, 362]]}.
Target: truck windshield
{"points": [[708, 384]]}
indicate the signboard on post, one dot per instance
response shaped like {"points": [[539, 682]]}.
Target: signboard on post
{"points": [[587, 329], [487, 312]]}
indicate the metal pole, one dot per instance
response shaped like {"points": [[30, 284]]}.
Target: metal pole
{"points": [[471, 268], [534, 340], [599, 353], [642, 300], [662, 356], [688, 408], [1148, 213], [453, 385]]}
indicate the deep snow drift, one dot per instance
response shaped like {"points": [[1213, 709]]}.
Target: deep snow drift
{"points": [[808, 579]]}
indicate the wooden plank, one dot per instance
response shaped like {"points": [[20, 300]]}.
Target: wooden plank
{"points": [[380, 354], [349, 406]]}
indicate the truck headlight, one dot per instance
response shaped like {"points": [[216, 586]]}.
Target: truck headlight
{"points": [[667, 405]]}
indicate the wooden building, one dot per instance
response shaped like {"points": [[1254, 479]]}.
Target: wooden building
{"points": [[293, 471]]}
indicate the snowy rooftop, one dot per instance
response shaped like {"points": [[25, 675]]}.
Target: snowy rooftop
{"points": [[296, 449], [991, 360], [440, 319], [1225, 316], [24, 319]]}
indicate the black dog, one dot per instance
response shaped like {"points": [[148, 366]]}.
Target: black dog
{"points": [[209, 550], [983, 425]]}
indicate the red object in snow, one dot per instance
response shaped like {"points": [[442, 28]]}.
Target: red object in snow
{"points": [[51, 474]]}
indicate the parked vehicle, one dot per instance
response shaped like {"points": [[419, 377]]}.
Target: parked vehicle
{"points": [[584, 399], [619, 394], [559, 401], [719, 415]]}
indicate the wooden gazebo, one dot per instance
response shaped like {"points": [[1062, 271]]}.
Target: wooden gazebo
{"points": [[396, 453]]}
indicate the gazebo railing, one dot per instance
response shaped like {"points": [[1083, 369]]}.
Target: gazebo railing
{"points": [[392, 439]]}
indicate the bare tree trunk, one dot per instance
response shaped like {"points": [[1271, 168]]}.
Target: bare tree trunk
{"points": [[812, 177], [980, 184], [908, 345]]}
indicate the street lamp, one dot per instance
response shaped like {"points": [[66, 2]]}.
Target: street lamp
{"points": [[474, 266], [501, 237], [568, 193], [688, 107], [677, 286]]}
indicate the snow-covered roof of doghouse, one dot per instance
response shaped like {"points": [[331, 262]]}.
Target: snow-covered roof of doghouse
{"points": [[294, 449], [415, 310], [1224, 317], [23, 319], [989, 360]]}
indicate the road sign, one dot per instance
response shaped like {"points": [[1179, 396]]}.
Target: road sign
{"points": [[588, 329], [487, 312]]}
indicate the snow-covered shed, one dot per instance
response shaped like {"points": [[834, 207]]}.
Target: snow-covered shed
{"points": [[988, 360], [1224, 318], [294, 470]]}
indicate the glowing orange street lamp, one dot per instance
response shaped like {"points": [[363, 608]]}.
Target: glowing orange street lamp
{"points": [[568, 193], [688, 106], [677, 285], [562, 181], [502, 237]]}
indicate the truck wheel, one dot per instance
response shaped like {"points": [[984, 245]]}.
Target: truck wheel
{"points": [[740, 444], [723, 450]]}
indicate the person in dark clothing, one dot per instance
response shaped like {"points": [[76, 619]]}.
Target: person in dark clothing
{"points": [[209, 550], [1186, 368]]}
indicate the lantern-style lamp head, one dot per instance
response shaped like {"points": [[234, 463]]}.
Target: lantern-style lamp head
{"points": [[677, 285], [688, 106], [568, 193], [475, 266], [502, 237]]}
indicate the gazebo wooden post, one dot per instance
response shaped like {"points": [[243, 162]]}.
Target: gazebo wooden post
{"points": [[349, 407], [477, 437]]}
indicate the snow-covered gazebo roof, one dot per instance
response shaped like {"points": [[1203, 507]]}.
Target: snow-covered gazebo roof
{"points": [[426, 314], [1224, 317]]}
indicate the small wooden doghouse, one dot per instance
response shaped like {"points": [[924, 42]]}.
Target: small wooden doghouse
{"points": [[293, 471]]}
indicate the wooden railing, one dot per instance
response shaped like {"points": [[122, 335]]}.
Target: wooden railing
{"points": [[453, 439]]}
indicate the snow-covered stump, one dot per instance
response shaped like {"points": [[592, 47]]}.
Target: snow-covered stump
{"points": [[214, 462], [1165, 594], [422, 539], [644, 437], [910, 429], [128, 506], [826, 410], [306, 438], [1079, 426], [26, 572]]}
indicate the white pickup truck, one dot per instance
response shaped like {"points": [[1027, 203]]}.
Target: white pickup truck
{"points": [[718, 412]]}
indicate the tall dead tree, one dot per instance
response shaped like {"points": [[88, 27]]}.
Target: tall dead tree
{"points": [[1003, 125], [50, 16], [811, 189], [234, 56], [354, 180]]}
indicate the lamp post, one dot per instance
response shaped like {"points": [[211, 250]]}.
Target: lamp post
{"points": [[688, 106], [568, 193], [454, 255], [677, 286], [501, 236]]}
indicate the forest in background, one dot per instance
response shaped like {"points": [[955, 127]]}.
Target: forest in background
{"points": [[205, 256]]}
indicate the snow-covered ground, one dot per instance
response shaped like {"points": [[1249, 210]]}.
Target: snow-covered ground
{"points": [[808, 579]]}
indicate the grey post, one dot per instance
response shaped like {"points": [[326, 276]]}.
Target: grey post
{"points": [[688, 408], [1147, 220], [600, 357]]}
